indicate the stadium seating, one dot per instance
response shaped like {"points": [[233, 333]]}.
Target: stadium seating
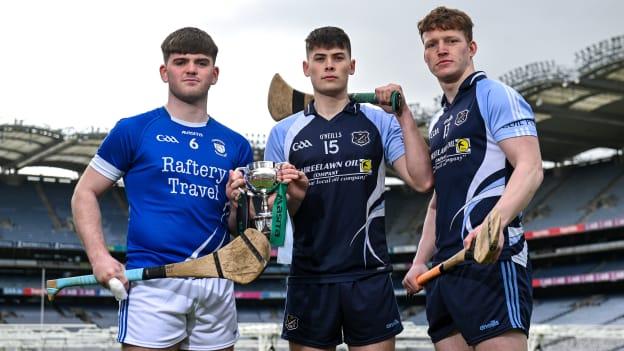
{"points": [[567, 198]]}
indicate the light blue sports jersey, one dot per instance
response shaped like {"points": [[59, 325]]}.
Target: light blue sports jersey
{"points": [[339, 228], [175, 173], [471, 170]]}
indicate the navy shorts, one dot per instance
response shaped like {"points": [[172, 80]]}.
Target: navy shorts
{"points": [[365, 311], [480, 301]]}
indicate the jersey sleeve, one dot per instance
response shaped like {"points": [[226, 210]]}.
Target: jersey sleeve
{"points": [[274, 150], [393, 144], [505, 111], [116, 153], [245, 154]]}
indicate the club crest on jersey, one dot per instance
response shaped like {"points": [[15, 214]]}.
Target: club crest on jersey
{"points": [[292, 322], [360, 138], [219, 147], [462, 116]]}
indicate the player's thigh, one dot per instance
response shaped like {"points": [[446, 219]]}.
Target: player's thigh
{"points": [[370, 311], [293, 346], [154, 314], [513, 340], [441, 325], [212, 325], [312, 316], [385, 345], [486, 301], [453, 342], [128, 347]]}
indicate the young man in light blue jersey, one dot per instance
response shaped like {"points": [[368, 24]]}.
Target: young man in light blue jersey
{"points": [[175, 162], [339, 287], [485, 155]]}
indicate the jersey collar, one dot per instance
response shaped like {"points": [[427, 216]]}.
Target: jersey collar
{"points": [[351, 108], [468, 83]]}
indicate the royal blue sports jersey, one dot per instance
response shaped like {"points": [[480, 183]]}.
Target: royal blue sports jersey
{"points": [[339, 229], [470, 169], [175, 174]]}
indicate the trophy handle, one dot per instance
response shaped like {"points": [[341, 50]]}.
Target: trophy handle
{"points": [[242, 169]]}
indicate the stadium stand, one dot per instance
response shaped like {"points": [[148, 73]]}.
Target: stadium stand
{"points": [[575, 226]]}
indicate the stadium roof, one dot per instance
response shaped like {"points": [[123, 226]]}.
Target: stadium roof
{"points": [[576, 109], [580, 108], [24, 146]]}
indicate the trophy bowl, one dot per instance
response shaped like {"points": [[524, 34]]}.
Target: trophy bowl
{"points": [[262, 176], [261, 180]]}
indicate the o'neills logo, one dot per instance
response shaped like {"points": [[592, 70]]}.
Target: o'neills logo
{"points": [[489, 325]]}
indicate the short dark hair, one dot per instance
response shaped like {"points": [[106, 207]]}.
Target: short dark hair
{"points": [[443, 18], [327, 38], [189, 40]]}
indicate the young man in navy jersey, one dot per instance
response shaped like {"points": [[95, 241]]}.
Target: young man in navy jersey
{"points": [[175, 163], [336, 151], [485, 155]]}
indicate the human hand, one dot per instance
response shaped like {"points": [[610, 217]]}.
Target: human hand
{"points": [[409, 282], [106, 267], [384, 98], [469, 241], [297, 180], [235, 183]]}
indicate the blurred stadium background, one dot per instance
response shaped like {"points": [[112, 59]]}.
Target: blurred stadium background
{"points": [[575, 226]]}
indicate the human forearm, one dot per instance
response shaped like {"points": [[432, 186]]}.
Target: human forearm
{"points": [[426, 246], [523, 183], [418, 162], [524, 155], [88, 223]]}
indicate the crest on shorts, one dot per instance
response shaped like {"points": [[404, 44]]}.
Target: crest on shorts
{"points": [[291, 322], [360, 138], [462, 116]]}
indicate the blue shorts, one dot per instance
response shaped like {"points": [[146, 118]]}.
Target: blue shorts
{"points": [[365, 311], [480, 301]]}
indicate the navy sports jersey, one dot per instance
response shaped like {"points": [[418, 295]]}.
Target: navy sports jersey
{"points": [[175, 174], [470, 169], [339, 229]]}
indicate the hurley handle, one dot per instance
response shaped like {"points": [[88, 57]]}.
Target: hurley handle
{"points": [[55, 285], [445, 266], [371, 98], [426, 277]]}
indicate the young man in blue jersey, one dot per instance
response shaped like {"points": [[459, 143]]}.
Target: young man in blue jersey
{"points": [[336, 151], [175, 162], [485, 155]]}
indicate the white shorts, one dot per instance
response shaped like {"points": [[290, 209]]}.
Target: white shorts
{"points": [[159, 313]]}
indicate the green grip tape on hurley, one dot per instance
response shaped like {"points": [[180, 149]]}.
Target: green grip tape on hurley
{"points": [[280, 216], [395, 100]]}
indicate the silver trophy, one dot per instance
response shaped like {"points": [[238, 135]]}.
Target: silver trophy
{"points": [[261, 180]]}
